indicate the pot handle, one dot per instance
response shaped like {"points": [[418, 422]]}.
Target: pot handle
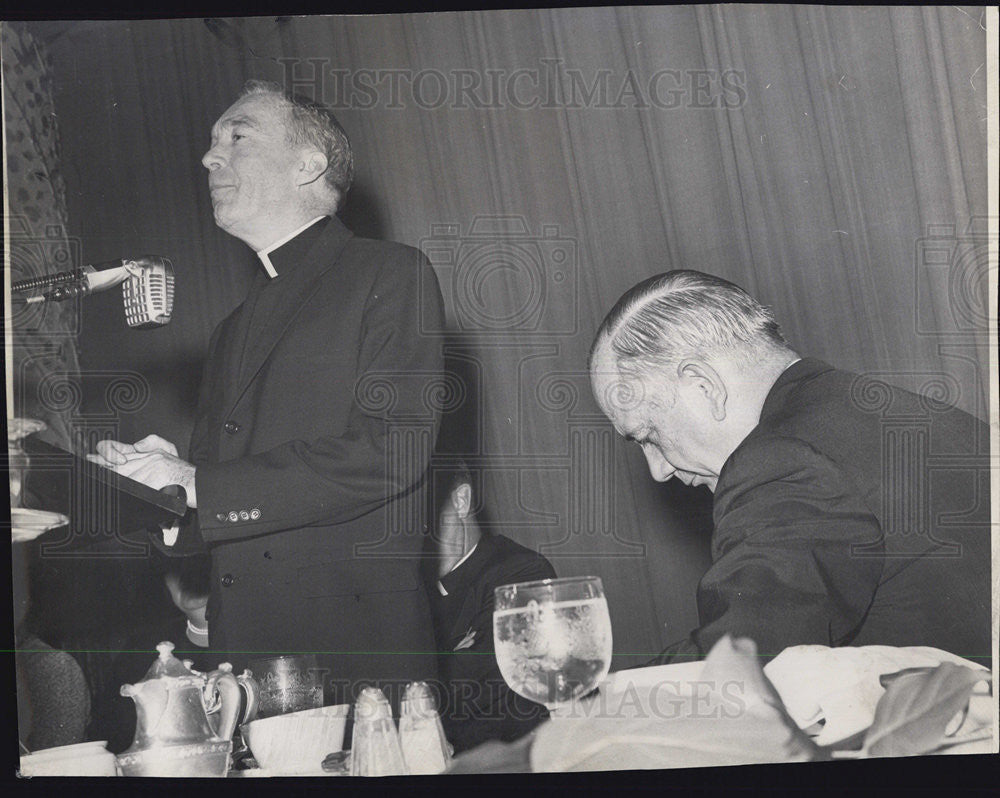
{"points": [[249, 685], [228, 689]]}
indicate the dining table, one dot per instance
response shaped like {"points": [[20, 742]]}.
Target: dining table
{"points": [[809, 703]]}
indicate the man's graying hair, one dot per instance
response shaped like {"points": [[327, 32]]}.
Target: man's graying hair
{"points": [[312, 123], [680, 314]]}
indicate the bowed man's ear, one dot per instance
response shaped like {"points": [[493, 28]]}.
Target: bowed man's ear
{"points": [[708, 383]]}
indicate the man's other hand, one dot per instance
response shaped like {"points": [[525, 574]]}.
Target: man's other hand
{"points": [[495, 757], [153, 461]]}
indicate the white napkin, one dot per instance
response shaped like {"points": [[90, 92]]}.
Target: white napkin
{"points": [[27, 524], [680, 676], [841, 685], [718, 712]]}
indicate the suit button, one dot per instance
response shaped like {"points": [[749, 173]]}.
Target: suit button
{"points": [[234, 516], [221, 516], [227, 580], [254, 514], [231, 427], [244, 515]]}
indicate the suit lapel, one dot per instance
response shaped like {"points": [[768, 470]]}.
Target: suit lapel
{"points": [[465, 619], [477, 595], [235, 341], [228, 350], [263, 333]]}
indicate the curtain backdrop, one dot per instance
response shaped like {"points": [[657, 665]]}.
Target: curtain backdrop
{"points": [[44, 342], [832, 160]]}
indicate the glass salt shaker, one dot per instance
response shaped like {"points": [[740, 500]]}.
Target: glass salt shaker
{"points": [[425, 749], [375, 748]]}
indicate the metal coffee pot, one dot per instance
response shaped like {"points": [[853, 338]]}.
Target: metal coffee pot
{"points": [[174, 736]]}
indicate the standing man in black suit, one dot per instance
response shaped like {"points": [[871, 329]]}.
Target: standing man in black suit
{"points": [[472, 562], [293, 479], [833, 524]]}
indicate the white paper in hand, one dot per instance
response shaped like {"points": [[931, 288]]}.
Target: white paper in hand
{"points": [[170, 535]]}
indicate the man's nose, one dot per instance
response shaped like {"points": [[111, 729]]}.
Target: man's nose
{"points": [[659, 468], [211, 160]]}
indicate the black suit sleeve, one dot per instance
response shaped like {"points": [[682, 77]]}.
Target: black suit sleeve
{"points": [[786, 565], [333, 479]]}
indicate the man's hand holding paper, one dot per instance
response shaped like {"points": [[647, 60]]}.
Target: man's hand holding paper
{"points": [[153, 461]]}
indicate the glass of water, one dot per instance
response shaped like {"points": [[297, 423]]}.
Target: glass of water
{"points": [[552, 638]]}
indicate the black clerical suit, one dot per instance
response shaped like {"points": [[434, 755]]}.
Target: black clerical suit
{"points": [[477, 704], [855, 513], [313, 432]]}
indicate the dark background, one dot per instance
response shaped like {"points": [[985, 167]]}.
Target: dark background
{"points": [[851, 136]]}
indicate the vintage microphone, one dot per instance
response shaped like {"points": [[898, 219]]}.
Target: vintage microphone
{"points": [[147, 290]]}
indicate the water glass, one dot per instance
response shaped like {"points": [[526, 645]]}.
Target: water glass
{"points": [[552, 638]]}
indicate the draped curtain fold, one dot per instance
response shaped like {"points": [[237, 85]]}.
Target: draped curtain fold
{"points": [[814, 154]]}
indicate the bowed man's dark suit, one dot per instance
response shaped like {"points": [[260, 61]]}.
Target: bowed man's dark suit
{"points": [[855, 513], [304, 500]]}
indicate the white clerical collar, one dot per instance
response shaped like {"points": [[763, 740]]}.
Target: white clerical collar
{"points": [[464, 558], [264, 253]]}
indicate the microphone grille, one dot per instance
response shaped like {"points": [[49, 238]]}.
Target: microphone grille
{"points": [[149, 297]]}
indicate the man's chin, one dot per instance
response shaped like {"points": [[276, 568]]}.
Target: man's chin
{"points": [[700, 479], [221, 220]]}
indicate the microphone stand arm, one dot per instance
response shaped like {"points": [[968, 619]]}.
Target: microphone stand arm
{"points": [[78, 282]]}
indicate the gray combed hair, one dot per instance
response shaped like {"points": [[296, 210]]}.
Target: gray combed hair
{"points": [[680, 314], [312, 123]]}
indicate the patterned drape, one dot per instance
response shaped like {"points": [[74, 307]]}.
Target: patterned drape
{"points": [[44, 340]]}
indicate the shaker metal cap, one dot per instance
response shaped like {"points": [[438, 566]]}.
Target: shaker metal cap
{"points": [[372, 705], [417, 700]]}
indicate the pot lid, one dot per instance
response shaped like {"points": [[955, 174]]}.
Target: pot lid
{"points": [[166, 665]]}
